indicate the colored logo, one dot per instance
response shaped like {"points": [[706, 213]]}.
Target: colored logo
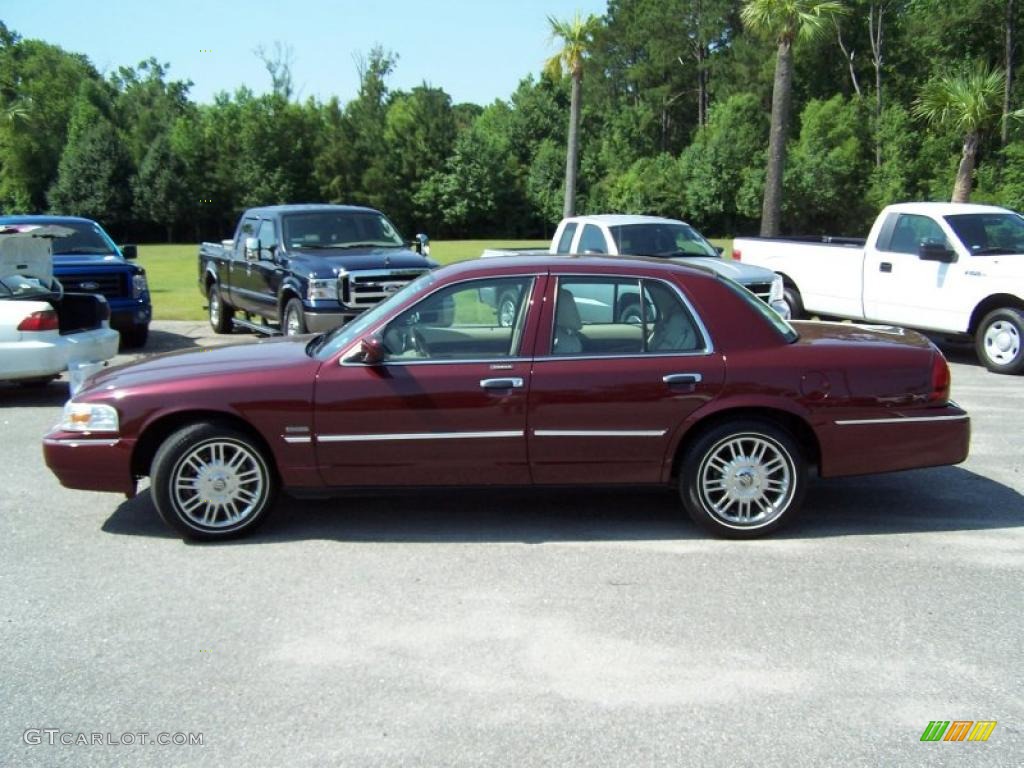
{"points": [[959, 730]]}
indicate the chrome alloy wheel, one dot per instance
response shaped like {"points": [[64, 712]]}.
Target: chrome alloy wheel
{"points": [[219, 483], [507, 312], [746, 481], [292, 323], [214, 308], [1002, 342]]}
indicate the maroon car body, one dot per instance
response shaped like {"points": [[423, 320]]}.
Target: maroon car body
{"points": [[429, 390]]}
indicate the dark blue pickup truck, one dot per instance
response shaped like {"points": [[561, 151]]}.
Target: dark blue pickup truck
{"points": [[88, 262], [298, 269]]}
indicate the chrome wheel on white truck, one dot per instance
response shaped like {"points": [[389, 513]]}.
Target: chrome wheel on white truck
{"points": [[998, 341]]}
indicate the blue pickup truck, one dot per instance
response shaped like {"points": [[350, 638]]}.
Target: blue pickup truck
{"points": [[297, 269], [88, 261]]}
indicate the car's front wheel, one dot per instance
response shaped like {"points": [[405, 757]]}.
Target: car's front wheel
{"points": [[211, 481], [293, 322], [999, 341], [743, 479]]}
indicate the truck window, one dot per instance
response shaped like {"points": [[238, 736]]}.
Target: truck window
{"points": [[268, 240], [592, 240], [565, 241], [911, 230], [248, 228]]}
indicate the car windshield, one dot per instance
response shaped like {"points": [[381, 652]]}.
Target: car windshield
{"points": [[668, 240], [87, 238], [340, 229], [989, 233], [323, 347]]}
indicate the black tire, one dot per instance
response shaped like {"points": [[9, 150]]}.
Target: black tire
{"points": [[795, 301], [221, 313], [508, 306], [293, 319], [999, 341], [134, 337], [212, 482], [36, 383], [756, 491]]}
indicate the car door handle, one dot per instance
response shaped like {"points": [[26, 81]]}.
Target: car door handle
{"points": [[682, 379], [510, 383], [885, 266]]}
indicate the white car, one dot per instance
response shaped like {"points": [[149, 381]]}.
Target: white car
{"points": [[44, 331]]}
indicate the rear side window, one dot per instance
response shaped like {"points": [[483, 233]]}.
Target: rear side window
{"points": [[565, 241], [592, 240]]}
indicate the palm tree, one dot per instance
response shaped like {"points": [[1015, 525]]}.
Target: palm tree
{"points": [[784, 21], [970, 101], [576, 37]]}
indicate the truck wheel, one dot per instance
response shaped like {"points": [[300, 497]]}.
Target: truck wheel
{"points": [[999, 341], [135, 337], [795, 301], [210, 481], [220, 314], [507, 305], [293, 322], [743, 479]]}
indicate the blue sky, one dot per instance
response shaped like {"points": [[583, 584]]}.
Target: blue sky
{"points": [[476, 50]]}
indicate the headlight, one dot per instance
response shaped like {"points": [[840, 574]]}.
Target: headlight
{"points": [[89, 417], [777, 292], [139, 285], [322, 288]]}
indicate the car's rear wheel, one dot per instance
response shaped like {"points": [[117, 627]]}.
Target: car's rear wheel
{"points": [[795, 301], [999, 341], [507, 305], [220, 314], [293, 322], [210, 481], [743, 479]]}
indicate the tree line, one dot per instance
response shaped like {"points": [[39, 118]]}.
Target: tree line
{"points": [[667, 107]]}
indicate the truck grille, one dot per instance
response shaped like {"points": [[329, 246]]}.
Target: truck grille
{"points": [[762, 290], [363, 290], [108, 285]]}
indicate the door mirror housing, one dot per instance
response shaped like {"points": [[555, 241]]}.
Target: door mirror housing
{"points": [[252, 248], [422, 244], [935, 252], [130, 251]]}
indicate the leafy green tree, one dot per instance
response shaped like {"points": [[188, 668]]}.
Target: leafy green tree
{"points": [[784, 21], [576, 37], [653, 185], [160, 188], [147, 104], [970, 101], [94, 176]]}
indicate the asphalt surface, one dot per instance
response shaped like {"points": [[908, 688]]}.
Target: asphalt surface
{"points": [[517, 629]]}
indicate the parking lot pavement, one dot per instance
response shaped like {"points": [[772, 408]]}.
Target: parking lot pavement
{"points": [[520, 629]]}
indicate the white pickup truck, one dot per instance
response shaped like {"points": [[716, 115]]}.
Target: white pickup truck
{"points": [[953, 269], [652, 236]]}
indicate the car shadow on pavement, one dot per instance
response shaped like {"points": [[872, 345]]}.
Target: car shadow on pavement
{"points": [[931, 500], [34, 396]]}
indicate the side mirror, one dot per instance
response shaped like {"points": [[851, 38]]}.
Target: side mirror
{"points": [[422, 244], [719, 250], [929, 251], [372, 351], [252, 248], [130, 251]]}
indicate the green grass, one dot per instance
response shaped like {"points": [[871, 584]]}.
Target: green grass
{"points": [[173, 272]]}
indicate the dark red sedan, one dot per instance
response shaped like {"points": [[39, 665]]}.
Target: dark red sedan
{"points": [[704, 388]]}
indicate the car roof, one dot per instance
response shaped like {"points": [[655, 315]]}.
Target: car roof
{"points": [[944, 209], [272, 210], [572, 263], [43, 219], [622, 219]]}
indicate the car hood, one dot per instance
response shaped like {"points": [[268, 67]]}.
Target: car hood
{"points": [[744, 274], [356, 259], [264, 355]]}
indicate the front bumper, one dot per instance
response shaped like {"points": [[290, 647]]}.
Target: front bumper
{"points": [[90, 462], [126, 318], [322, 322], [907, 439]]}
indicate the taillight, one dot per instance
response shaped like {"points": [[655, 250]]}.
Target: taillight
{"points": [[46, 320], [737, 255], [941, 379]]}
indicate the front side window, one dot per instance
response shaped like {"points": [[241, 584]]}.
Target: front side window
{"points": [[466, 321], [268, 241], [912, 230], [612, 316]]}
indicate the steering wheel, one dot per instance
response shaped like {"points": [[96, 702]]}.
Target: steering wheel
{"points": [[419, 344]]}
